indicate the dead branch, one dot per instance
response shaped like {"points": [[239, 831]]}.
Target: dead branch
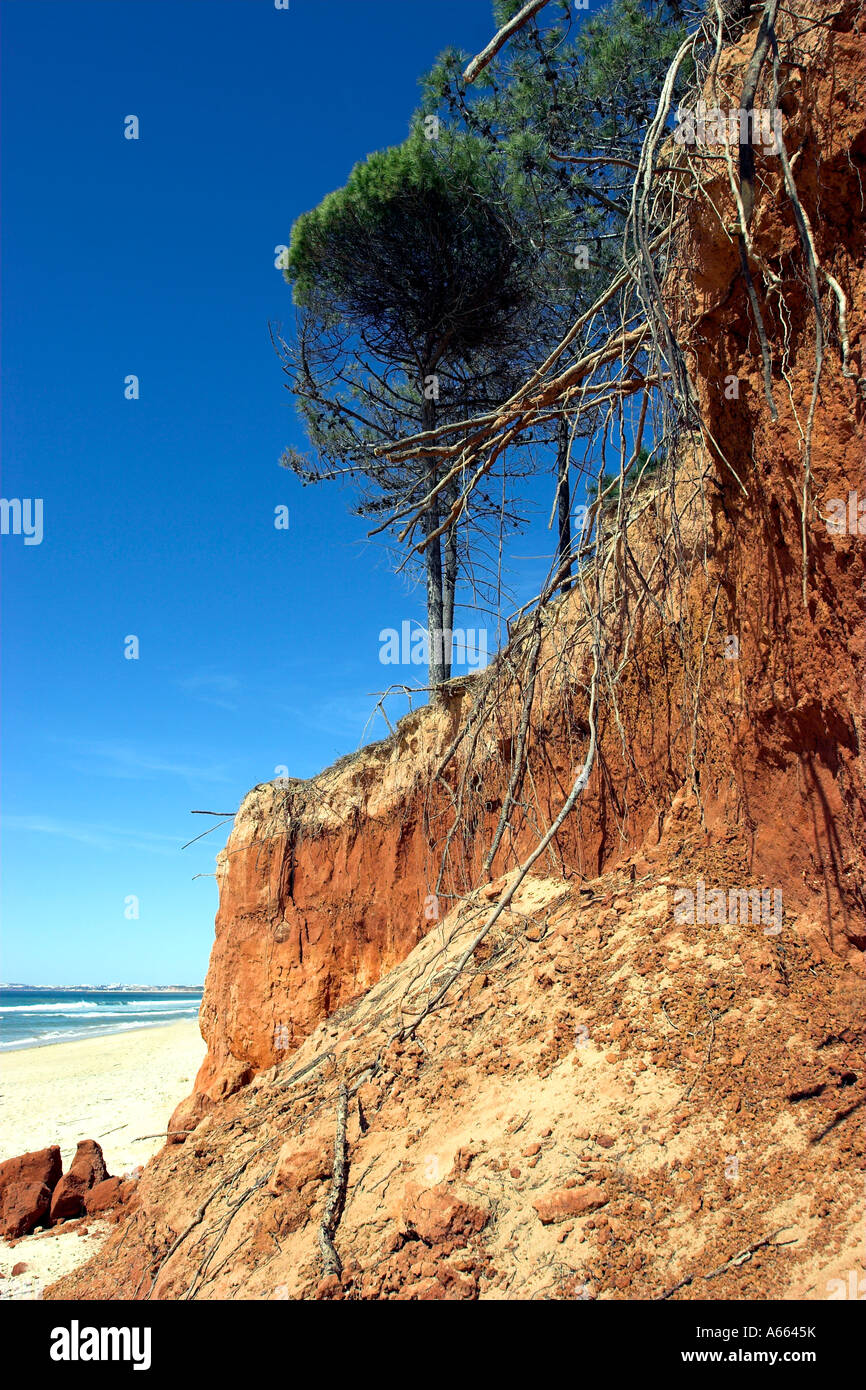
{"points": [[501, 38], [337, 1196], [740, 1258], [196, 838]]}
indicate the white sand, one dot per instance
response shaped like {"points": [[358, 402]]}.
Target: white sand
{"points": [[114, 1089]]}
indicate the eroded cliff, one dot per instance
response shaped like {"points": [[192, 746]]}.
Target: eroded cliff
{"points": [[637, 1056]]}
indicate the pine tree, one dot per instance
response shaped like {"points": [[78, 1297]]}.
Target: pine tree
{"points": [[412, 286]]}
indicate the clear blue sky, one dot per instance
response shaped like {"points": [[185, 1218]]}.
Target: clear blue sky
{"points": [[258, 647]]}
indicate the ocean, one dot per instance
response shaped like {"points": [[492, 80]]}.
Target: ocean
{"points": [[36, 1017]]}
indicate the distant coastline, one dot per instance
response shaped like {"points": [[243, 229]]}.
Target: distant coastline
{"points": [[113, 989], [40, 1015]]}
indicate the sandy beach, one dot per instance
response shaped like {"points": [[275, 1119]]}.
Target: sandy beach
{"points": [[115, 1089]]}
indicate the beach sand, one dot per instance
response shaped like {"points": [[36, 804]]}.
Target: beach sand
{"points": [[115, 1089]]}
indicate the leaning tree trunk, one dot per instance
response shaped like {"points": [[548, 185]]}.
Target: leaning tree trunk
{"points": [[438, 672], [563, 493]]}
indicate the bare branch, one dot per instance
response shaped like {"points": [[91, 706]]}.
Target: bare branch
{"points": [[501, 38]]}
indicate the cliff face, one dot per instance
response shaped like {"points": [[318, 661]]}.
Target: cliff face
{"points": [[325, 885], [790, 723], [322, 889], [727, 762]]}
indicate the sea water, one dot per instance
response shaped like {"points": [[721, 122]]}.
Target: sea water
{"points": [[32, 1017]]}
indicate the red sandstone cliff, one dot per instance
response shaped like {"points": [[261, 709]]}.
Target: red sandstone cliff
{"points": [[751, 774]]}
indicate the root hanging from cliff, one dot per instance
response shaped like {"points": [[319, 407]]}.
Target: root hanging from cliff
{"points": [[568, 806], [628, 361]]}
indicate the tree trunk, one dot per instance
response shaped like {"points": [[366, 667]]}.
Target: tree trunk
{"points": [[449, 582], [437, 671], [564, 503]]}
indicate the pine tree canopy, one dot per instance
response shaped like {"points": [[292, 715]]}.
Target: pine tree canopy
{"points": [[416, 253]]}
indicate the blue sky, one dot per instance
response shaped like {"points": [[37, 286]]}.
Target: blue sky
{"points": [[258, 647]]}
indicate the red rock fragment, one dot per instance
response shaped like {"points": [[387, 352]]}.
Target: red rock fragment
{"points": [[565, 1203], [85, 1171], [26, 1184]]}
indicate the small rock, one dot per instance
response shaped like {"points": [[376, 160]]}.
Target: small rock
{"points": [[493, 890], [565, 1203], [437, 1214], [103, 1196], [296, 1166]]}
